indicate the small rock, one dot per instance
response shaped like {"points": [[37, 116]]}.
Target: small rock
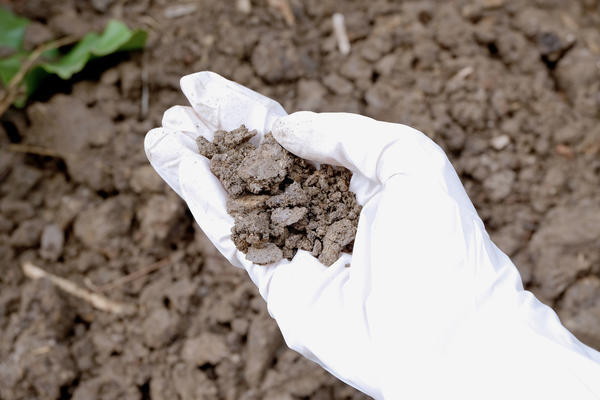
{"points": [[101, 5], [289, 63], [70, 207], [268, 254], [245, 204], [22, 180], [157, 217], [110, 77], [240, 326], [16, 210], [499, 185], [339, 234], [192, 383], [265, 167], [288, 216], [557, 246], [585, 324], [293, 195], [577, 70], [356, 68], [27, 233], [583, 294], [52, 242], [264, 338], [207, 348], [160, 327], [98, 225], [145, 179], [500, 142], [311, 95], [338, 85], [243, 6]]}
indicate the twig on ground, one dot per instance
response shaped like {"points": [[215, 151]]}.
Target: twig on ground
{"points": [[564, 151], [284, 8], [135, 275], [179, 10], [97, 300], [12, 89], [244, 6], [26, 148], [339, 29]]}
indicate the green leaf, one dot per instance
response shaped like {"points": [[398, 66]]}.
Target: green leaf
{"points": [[9, 67], [116, 37], [12, 29], [74, 60]]}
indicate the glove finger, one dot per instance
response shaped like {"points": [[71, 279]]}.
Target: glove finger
{"points": [[206, 199], [374, 149], [224, 104], [164, 149], [177, 138], [185, 119]]}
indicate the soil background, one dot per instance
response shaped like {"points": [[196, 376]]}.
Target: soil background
{"points": [[510, 89]]}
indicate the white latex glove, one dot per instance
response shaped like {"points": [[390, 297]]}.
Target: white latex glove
{"points": [[429, 308]]}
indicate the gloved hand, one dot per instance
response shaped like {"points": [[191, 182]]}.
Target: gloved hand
{"points": [[429, 308]]}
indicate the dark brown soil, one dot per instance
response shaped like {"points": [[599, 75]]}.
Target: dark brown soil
{"points": [[280, 202], [510, 89]]}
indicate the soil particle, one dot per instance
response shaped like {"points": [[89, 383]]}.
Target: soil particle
{"points": [[145, 179], [157, 218], [559, 246], [27, 234], [191, 383], [205, 348], [52, 242], [160, 327], [267, 254], [288, 216], [339, 235], [276, 59], [264, 339], [281, 203], [97, 226]]}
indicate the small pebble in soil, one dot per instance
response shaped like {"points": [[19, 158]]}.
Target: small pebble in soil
{"points": [[280, 202]]}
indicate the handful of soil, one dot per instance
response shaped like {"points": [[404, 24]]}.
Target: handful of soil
{"points": [[280, 202]]}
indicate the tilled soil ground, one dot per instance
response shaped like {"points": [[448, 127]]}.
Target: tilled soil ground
{"points": [[510, 89]]}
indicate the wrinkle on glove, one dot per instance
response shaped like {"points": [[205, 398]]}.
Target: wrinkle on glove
{"points": [[429, 308]]}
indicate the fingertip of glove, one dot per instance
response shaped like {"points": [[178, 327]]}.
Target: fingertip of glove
{"points": [[188, 82], [151, 140], [291, 131]]}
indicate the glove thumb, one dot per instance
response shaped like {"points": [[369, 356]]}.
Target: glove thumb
{"points": [[374, 149]]}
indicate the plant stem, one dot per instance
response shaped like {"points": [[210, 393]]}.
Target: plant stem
{"points": [[12, 89]]}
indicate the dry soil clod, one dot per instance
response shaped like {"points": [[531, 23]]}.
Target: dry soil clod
{"points": [[280, 202]]}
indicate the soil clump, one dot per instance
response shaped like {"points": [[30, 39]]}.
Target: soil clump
{"points": [[280, 202]]}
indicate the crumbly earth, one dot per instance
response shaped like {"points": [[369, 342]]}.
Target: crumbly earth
{"points": [[508, 88], [280, 202]]}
